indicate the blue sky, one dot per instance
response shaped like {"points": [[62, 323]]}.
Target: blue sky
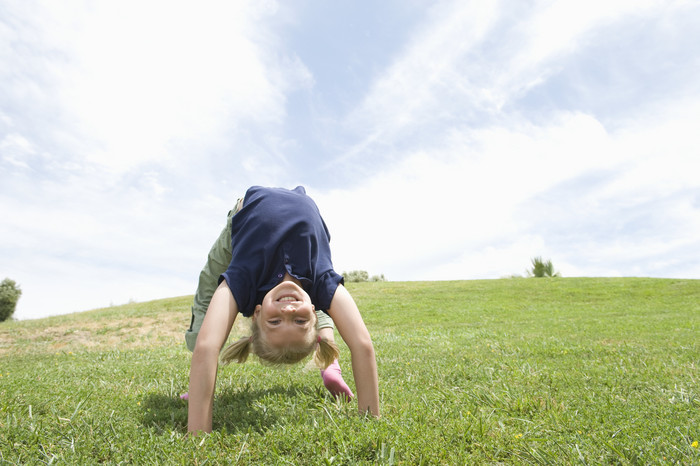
{"points": [[441, 140]]}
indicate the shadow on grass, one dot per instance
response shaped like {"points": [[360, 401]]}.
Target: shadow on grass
{"points": [[241, 410]]}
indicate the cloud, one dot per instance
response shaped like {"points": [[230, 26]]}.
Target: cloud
{"points": [[13, 147], [470, 65], [463, 177], [482, 203], [115, 118], [460, 197], [134, 82]]}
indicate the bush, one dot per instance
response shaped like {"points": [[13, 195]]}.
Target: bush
{"points": [[356, 276], [9, 295], [362, 276], [540, 268]]}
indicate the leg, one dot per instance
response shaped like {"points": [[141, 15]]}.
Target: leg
{"points": [[332, 376], [217, 262]]}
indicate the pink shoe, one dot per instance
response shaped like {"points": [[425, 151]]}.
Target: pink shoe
{"points": [[333, 381]]}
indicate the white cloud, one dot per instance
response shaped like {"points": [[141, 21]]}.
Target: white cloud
{"points": [[135, 81], [469, 62], [13, 148], [466, 172], [478, 205], [557, 28], [102, 104], [404, 95], [458, 196]]}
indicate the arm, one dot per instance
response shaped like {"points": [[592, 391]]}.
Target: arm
{"points": [[351, 327], [217, 325]]}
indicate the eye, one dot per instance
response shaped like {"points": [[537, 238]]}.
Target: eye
{"points": [[274, 321], [300, 321]]}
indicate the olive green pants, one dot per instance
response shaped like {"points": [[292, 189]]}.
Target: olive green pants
{"points": [[218, 261]]}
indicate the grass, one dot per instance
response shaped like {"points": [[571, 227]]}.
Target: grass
{"points": [[541, 371]]}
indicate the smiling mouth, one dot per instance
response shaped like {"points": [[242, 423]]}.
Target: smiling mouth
{"points": [[288, 299]]}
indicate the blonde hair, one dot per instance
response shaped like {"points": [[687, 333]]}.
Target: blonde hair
{"points": [[325, 351]]}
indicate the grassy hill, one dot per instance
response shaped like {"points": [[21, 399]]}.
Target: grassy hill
{"points": [[567, 370]]}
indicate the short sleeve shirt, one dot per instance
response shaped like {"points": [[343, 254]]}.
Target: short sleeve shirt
{"points": [[279, 231]]}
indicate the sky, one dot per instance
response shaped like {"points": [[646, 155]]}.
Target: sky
{"points": [[442, 140]]}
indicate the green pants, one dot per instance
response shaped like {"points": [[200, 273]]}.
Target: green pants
{"points": [[218, 261]]}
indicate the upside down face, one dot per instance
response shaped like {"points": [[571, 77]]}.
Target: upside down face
{"points": [[286, 316]]}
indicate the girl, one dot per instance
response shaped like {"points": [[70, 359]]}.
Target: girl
{"points": [[218, 260], [280, 271]]}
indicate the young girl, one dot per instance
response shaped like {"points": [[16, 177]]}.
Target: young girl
{"points": [[280, 272], [218, 261]]}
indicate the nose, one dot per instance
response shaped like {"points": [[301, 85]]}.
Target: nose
{"points": [[288, 308]]}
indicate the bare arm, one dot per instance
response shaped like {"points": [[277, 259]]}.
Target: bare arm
{"points": [[351, 327], [215, 329]]}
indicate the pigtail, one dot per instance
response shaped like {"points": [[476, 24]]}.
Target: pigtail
{"points": [[238, 351], [326, 353]]}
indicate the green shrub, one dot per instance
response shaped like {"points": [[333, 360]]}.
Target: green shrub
{"points": [[9, 295], [540, 268], [357, 276]]}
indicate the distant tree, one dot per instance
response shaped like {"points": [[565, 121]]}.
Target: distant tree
{"points": [[362, 276], [540, 268], [356, 276], [9, 295]]}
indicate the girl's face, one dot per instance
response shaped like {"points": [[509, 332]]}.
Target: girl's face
{"points": [[286, 315]]}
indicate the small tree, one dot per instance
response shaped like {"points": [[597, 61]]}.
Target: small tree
{"points": [[9, 295], [356, 276], [362, 276], [540, 268]]}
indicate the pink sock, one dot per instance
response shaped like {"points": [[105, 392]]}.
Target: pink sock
{"points": [[333, 381]]}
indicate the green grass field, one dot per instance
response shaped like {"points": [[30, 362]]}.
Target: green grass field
{"points": [[543, 371]]}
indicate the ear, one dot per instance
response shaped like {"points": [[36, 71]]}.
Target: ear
{"points": [[257, 310]]}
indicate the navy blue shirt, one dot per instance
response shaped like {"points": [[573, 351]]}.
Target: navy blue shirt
{"points": [[279, 231]]}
